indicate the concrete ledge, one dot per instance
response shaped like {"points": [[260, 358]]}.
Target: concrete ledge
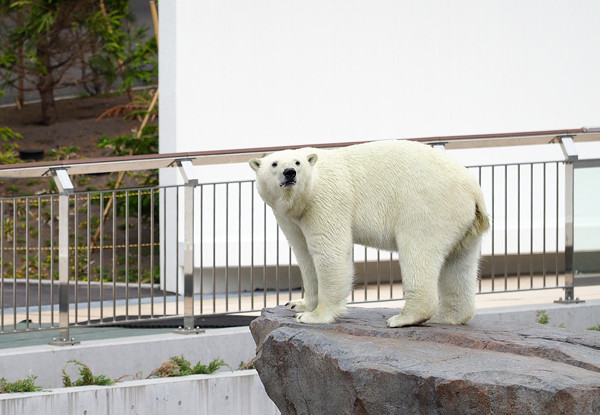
{"points": [[126, 356], [224, 394], [572, 316]]}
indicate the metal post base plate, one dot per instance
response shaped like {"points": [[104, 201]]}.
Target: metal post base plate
{"points": [[569, 301], [189, 330], [63, 342]]}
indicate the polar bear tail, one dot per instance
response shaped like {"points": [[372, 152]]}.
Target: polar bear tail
{"points": [[480, 224]]}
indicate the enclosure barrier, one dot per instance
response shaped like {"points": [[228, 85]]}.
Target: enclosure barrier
{"points": [[111, 245]]}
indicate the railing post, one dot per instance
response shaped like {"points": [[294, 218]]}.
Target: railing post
{"points": [[570, 151], [438, 145], [191, 180], [65, 188]]}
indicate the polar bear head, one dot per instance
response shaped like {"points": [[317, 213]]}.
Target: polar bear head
{"points": [[284, 173]]}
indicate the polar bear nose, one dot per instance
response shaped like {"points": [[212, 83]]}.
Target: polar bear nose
{"points": [[289, 173]]}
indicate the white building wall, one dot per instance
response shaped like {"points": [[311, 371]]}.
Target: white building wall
{"points": [[253, 73]]}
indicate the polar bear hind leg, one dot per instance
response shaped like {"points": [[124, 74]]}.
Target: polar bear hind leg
{"points": [[457, 285], [420, 271]]}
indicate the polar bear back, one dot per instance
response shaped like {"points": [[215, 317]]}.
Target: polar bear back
{"points": [[388, 188]]}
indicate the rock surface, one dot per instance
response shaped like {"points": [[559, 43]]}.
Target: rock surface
{"points": [[359, 366]]}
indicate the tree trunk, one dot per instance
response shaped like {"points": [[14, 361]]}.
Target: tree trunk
{"points": [[46, 89], [20, 97]]}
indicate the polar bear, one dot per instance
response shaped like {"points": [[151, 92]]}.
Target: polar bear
{"points": [[395, 195]]}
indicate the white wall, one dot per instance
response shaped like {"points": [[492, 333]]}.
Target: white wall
{"points": [[253, 73], [247, 73]]}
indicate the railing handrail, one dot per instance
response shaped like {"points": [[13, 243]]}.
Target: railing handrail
{"points": [[158, 161]]}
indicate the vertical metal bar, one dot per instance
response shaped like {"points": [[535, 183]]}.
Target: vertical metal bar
{"points": [[14, 263], [188, 258], [189, 175], [252, 246], [277, 264], [177, 289], [114, 255], [152, 253], [505, 227], [226, 246], [290, 274], [127, 255], [352, 290], [27, 288], [51, 261], [202, 188], [76, 255], [139, 252], [544, 228], [39, 264], [493, 230], [239, 275], [519, 227], [63, 183], [365, 277], [88, 264], [391, 277], [101, 255], [531, 227], [479, 279], [569, 231], [556, 224], [378, 276], [264, 254], [163, 248], [214, 250]]}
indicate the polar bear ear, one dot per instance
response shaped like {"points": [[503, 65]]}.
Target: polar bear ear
{"points": [[255, 164], [312, 159]]}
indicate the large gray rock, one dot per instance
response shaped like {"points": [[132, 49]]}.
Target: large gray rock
{"points": [[359, 366]]}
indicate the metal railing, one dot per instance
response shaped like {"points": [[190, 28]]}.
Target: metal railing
{"points": [[101, 256]]}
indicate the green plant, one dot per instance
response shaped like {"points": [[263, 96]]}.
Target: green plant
{"points": [[9, 149], [62, 153], [179, 366], [86, 376], [247, 365], [124, 145], [595, 328], [541, 316], [24, 385]]}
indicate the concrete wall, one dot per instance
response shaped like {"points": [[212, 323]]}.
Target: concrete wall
{"points": [[580, 316], [222, 394], [252, 73], [126, 356], [249, 73]]}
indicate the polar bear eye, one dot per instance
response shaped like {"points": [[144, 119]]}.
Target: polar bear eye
{"points": [[297, 163], [274, 164]]}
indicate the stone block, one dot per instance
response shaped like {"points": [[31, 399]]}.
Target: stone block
{"points": [[360, 366]]}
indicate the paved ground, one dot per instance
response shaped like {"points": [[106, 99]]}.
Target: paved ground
{"points": [[34, 293], [36, 335]]}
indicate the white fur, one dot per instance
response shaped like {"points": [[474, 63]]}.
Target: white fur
{"points": [[393, 195]]}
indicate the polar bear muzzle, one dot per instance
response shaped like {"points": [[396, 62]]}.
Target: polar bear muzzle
{"points": [[289, 178]]}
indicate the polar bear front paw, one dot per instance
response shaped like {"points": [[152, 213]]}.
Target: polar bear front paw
{"points": [[299, 306], [402, 320], [322, 315], [310, 317]]}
